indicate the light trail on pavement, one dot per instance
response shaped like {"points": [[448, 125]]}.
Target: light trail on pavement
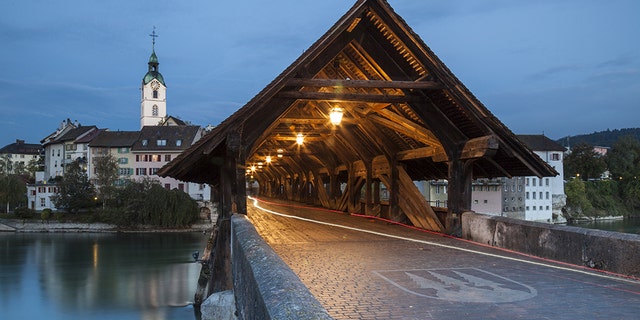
{"points": [[606, 276]]}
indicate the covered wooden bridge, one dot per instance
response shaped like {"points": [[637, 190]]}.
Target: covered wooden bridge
{"points": [[367, 108]]}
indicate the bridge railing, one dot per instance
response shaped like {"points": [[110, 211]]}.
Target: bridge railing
{"points": [[264, 286]]}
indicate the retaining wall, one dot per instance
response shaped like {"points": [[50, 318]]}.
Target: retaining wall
{"points": [[598, 249], [264, 286]]}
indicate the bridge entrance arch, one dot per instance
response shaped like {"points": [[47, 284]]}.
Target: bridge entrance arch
{"points": [[349, 125]]}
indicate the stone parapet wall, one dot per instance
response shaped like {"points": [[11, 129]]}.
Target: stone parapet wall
{"points": [[604, 250], [264, 286]]}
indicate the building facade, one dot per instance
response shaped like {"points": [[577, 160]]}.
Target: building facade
{"points": [[18, 155]]}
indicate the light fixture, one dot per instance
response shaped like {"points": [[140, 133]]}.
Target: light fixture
{"points": [[299, 139], [268, 159], [335, 115], [253, 168], [280, 151]]}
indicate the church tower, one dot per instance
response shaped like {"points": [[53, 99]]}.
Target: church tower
{"points": [[153, 108]]}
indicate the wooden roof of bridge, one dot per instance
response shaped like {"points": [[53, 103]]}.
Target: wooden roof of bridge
{"points": [[399, 100]]}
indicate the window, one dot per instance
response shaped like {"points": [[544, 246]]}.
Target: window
{"points": [[161, 142], [437, 189], [167, 157], [534, 195], [547, 195], [547, 207], [534, 181], [540, 195], [141, 171], [540, 208], [555, 156], [527, 181], [155, 158], [546, 181], [167, 186], [123, 161], [123, 150], [145, 142], [527, 208], [153, 171], [43, 202], [181, 186], [527, 195], [155, 96], [534, 208], [475, 201], [178, 142], [486, 201]]}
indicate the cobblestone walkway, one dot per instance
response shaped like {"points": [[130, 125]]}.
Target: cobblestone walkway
{"points": [[391, 272]]}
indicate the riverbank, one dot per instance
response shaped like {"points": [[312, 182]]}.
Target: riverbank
{"points": [[18, 225]]}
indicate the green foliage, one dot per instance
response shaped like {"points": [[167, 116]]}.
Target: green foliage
{"points": [[13, 192], [59, 216], [577, 203], [604, 198], [583, 162], [106, 175], [24, 213], [148, 203], [602, 138], [75, 191], [45, 214]]}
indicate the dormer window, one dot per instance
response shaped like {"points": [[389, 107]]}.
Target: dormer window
{"points": [[145, 142], [161, 142], [178, 142]]}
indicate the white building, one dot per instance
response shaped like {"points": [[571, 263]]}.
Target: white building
{"points": [[70, 142], [19, 154], [543, 197]]}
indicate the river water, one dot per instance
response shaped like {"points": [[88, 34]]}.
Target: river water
{"points": [[98, 275], [625, 226]]}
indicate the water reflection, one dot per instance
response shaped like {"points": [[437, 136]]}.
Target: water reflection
{"points": [[124, 276]]}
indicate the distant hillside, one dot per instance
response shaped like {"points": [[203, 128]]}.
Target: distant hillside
{"points": [[603, 138]]}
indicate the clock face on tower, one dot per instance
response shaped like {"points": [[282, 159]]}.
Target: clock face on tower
{"points": [[155, 85]]}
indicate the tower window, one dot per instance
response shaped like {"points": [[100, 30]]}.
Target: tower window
{"points": [[155, 94], [154, 110]]}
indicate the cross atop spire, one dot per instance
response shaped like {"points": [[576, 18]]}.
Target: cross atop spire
{"points": [[153, 36]]}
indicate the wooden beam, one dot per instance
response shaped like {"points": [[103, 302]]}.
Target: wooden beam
{"points": [[480, 147], [378, 84], [420, 153], [347, 97]]}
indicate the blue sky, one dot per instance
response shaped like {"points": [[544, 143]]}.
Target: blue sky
{"points": [[560, 67]]}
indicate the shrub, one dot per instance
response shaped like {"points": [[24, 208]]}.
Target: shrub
{"points": [[45, 214], [24, 213]]}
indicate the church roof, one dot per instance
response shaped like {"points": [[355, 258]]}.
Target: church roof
{"points": [[399, 100]]}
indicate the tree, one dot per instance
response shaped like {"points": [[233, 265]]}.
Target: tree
{"points": [[75, 192], [577, 202], [106, 176], [12, 191], [35, 165], [584, 162], [624, 164]]}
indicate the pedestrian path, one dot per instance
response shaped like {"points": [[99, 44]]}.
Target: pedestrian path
{"points": [[366, 269]]}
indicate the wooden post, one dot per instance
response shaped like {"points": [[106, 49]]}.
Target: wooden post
{"points": [[459, 196]]}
